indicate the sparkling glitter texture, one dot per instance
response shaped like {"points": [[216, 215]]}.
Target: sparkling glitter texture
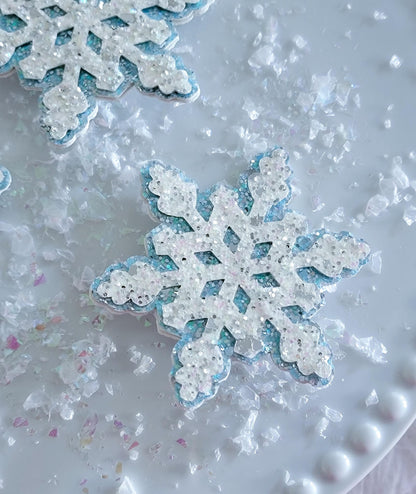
{"points": [[74, 50], [5, 179], [232, 272]]}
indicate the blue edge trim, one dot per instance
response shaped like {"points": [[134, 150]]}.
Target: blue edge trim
{"points": [[7, 179], [194, 329], [87, 81]]}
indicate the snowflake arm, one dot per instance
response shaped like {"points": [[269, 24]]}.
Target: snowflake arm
{"points": [[344, 254], [193, 385], [170, 195], [75, 51], [300, 349], [232, 272]]}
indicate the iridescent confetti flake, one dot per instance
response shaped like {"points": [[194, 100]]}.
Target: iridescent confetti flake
{"points": [[12, 343], [20, 422], [53, 433], [232, 272], [74, 51]]}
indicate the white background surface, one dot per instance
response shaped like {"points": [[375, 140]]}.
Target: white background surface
{"points": [[345, 40]]}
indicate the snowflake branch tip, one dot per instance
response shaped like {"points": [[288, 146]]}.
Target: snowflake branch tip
{"points": [[233, 272], [130, 286], [200, 365]]}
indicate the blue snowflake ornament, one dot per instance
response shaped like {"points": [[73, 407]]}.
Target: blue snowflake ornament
{"points": [[5, 179], [232, 272], [76, 50]]}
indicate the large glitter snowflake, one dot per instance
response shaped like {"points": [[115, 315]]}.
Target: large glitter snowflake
{"points": [[232, 272], [74, 50]]}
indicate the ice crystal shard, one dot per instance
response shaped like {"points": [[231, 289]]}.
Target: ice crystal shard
{"points": [[75, 50], [232, 272]]}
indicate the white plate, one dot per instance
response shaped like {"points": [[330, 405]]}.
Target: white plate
{"points": [[211, 140]]}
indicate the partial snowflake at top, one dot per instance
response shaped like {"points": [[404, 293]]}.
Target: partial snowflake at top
{"points": [[5, 179], [75, 50], [232, 272]]}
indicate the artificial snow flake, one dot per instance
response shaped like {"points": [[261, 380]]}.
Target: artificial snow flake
{"points": [[232, 272], [75, 50], [5, 179]]}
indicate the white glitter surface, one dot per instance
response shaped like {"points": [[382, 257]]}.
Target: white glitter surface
{"points": [[68, 399]]}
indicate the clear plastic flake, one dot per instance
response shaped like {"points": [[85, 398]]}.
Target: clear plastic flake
{"points": [[376, 262], [146, 365], [333, 328], [372, 399], [388, 188], [248, 399], [376, 205], [409, 215], [271, 434], [395, 62], [400, 177], [258, 11], [379, 15], [323, 87], [337, 216], [252, 109], [262, 57], [300, 42], [322, 426], [332, 414], [126, 487], [370, 347], [315, 128], [245, 440]]}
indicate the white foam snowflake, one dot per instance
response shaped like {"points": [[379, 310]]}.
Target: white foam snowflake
{"points": [[232, 272], [74, 50]]}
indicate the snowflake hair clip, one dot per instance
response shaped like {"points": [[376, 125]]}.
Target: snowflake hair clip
{"points": [[74, 51], [232, 272], [5, 179]]}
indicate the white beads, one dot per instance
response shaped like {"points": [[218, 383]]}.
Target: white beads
{"points": [[365, 437], [392, 406], [335, 465]]}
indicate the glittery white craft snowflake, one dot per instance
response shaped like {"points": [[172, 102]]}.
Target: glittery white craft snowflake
{"points": [[5, 179], [232, 272], [74, 50]]}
